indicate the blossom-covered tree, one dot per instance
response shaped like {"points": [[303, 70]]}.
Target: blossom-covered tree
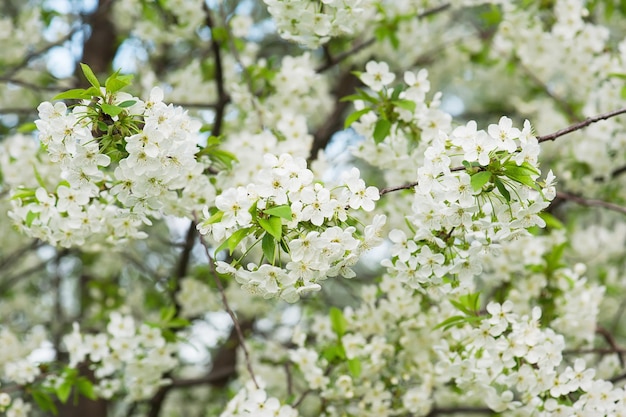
{"points": [[312, 208]]}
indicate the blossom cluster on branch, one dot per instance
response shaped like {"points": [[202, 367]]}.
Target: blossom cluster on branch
{"points": [[460, 164]]}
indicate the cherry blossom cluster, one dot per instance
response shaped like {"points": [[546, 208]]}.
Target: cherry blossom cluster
{"points": [[117, 172], [576, 61], [474, 188], [296, 222], [526, 368], [254, 401], [16, 368], [126, 358], [386, 349], [313, 23]]}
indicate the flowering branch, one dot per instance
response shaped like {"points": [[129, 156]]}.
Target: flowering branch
{"points": [[545, 138]]}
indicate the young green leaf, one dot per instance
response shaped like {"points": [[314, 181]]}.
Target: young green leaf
{"points": [[381, 130], [502, 188], [406, 105], [268, 244], [272, 225], [44, 401], [353, 117], [63, 390], [115, 83], [90, 76], [338, 321], [85, 388], [73, 94], [127, 103], [215, 218], [450, 322], [283, 211], [234, 239], [479, 179], [111, 110], [354, 365]]}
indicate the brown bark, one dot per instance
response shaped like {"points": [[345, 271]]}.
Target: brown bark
{"points": [[101, 46], [334, 123]]}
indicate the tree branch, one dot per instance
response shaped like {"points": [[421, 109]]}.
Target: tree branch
{"points": [[222, 97], [457, 410], [230, 312], [580, 125], [588, 202]]}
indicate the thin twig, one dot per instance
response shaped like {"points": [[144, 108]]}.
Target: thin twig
{"points": [[244, 69], [196, 105], [230, 312], [39, 52], [31, 86], [563, 104], [18, 110], [332, 61], [608, 337], [580, 125], [222, 97], [459, 410], [588, 202], [545, 138]]}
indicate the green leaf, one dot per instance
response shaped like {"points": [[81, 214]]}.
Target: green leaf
{"points": [[22, 194], [406, 105], [268, 244], [63, 390], [396, 92], [338, 321], [116, 82], [44, 401], [333, 352], [272, 225], [85, 388], [27, 127], [479, 179], [468, 304], [283, 211], [502, 188], [354, 365], [177, 323], [91, 77], [234, 239], [551, 221], [521, 175], [30, 218], [353, 117], [451, 322], [74, 94], [127, 103], [167, 313], [111, 110], [381, 130], [215, 218]]}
